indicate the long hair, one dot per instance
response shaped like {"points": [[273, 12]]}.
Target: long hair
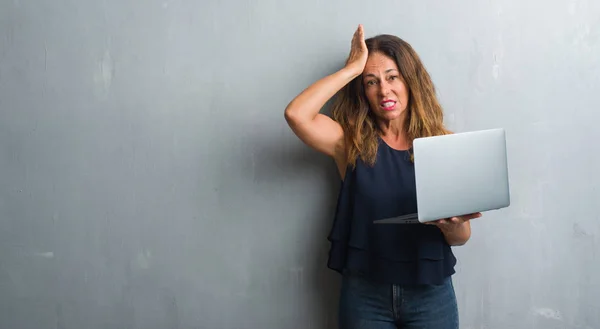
{"points": [[424, 114]]}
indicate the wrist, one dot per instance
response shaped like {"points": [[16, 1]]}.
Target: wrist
{"points": [[351, 72], [456, 234]]}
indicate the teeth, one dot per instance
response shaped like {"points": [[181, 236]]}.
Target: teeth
{"points": [[388, 104]]}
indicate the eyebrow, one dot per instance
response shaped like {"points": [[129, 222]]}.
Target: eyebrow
{"points": [[373, 75]]}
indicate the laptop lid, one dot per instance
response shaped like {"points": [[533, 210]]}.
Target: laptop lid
{"points": [[459, 174]]}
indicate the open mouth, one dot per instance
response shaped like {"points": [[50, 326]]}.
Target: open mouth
{"points": [[388, 105]]}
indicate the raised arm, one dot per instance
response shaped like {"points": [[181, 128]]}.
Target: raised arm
{"points": [[302, 114]]}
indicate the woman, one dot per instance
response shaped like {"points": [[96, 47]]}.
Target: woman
{"points": [[394, 276]]}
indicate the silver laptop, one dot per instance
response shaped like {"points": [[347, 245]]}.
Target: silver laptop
{"points": [[458, 174]]}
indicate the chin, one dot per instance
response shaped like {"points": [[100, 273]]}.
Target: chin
{"points": [[390, 115]]}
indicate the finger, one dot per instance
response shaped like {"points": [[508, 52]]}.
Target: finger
{"points": [[472, 216]]}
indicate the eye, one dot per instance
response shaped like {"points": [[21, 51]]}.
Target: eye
{"points": [[371, 82], [393, 77]]}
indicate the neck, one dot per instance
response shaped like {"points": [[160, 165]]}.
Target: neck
{"points": [[393, 127], [393, 132]]}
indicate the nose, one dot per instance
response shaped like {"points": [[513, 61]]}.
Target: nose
{"points": [[384, 88]]}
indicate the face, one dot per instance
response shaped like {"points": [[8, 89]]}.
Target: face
{"points": [[385, 88]]}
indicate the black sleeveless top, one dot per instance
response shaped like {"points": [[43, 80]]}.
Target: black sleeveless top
{"points": [[392, 253]]}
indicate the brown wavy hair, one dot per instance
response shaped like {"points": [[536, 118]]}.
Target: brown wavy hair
{"points": [[424, 114]]}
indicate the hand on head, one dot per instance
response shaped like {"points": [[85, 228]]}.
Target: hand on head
{"points": [[358, 51]]}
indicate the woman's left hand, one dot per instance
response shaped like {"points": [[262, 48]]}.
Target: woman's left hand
{"points": [[449, 223]]}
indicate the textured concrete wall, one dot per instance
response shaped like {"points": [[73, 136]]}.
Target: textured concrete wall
{"points": [[148, 179]]}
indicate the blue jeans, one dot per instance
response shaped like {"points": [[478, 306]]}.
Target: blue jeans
{"points": [[365, 304]]}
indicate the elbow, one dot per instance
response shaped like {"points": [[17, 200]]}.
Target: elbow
{"points": [[292, 116], [288, 115]]}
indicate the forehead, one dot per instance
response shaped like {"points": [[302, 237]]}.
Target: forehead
{"points": [[378, 63]]}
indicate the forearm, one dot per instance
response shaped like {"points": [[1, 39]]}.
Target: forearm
{"points": [[309, 102], [457, 235]]}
